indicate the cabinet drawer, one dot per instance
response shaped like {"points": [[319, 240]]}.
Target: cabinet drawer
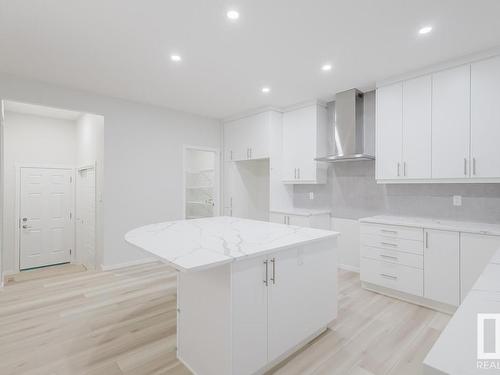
{"points": [[393, 256], [395, 276], [395, 231], [393, 243]]}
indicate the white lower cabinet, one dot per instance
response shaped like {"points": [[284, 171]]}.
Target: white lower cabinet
{"points": [[280, 300], [476, 251], [319, 221], [441, 266]]}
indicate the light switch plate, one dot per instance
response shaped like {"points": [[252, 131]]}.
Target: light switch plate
{"points": [[457, 200], [311, 196]]}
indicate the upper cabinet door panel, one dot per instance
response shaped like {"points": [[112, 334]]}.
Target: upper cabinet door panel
{"points": [[389, 131], [451, 123], [485, 118], [417, 128], [235, 144], [259, 135], [300, 134]]}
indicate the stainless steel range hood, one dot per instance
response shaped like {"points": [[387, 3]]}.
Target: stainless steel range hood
{"points": [[348, 128]]}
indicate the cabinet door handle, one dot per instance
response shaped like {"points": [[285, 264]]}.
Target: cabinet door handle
{"points": [[295, 173], [474, 166], [465, 166], [389, 231], [231, 153], [398, 168], [288, 220], [426, 240], [389, 244], [284, 219], [266, 280], [388, 257], [273, 279], [298, 172], [392, 277], [404, 168]]}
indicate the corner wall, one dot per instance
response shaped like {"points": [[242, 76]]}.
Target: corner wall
{"points": [[142, 153]]}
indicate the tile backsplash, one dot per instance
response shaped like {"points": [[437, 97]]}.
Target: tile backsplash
{"points": [[352, 192]]}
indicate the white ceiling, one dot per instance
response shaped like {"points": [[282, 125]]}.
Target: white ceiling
{"points": [[121, 47], [39, 110]]}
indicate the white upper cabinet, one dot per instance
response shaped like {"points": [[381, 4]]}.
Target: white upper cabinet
{"points": [[485, 118], [441, 127], [247, 138], [389, 131], [404, 130], [417, 127], [451, 123], [304, 139]]}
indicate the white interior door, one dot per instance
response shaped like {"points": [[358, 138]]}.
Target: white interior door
{"points": [[46, 235], [85, 217]]}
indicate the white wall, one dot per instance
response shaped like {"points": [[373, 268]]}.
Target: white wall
{"points": [[142, 153], [31, 139]]}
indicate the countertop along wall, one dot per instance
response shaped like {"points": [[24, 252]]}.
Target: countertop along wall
{"points": [[142, 157]]}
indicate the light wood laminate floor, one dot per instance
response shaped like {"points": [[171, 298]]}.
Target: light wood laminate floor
{"points": [[123, 322]]}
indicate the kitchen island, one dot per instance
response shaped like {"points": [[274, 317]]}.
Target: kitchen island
{"points": [[249, 293]]}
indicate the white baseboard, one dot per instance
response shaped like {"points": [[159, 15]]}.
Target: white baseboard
{"points": [[347, 267], [128, 264]]}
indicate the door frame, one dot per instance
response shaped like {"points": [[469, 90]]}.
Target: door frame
{"points": [[17, 242], [217, 176], [92, 165]]}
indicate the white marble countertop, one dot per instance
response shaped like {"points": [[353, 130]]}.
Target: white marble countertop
{"points": [[196, 244], [421, 222], [455, 352], [301, 211]]}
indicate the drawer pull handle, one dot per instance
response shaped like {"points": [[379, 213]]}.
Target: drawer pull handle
{"points": [[389, 231], [388, 257], [389, 244], [391, 277]]}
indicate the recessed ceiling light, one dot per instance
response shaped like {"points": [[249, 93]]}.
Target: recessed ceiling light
{"points": [[175, 58], [266, 90], [425, 30], [326, 67], [233, 15]]}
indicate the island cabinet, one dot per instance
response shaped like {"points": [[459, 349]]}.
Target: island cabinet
{"points": [[256, 311], [249, 292]]}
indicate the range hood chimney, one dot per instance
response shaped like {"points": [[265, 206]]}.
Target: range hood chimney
{"points": [[348, 128]]}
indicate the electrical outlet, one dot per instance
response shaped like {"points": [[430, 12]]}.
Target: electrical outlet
{"points": [[457, 200], [311, 196]]}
